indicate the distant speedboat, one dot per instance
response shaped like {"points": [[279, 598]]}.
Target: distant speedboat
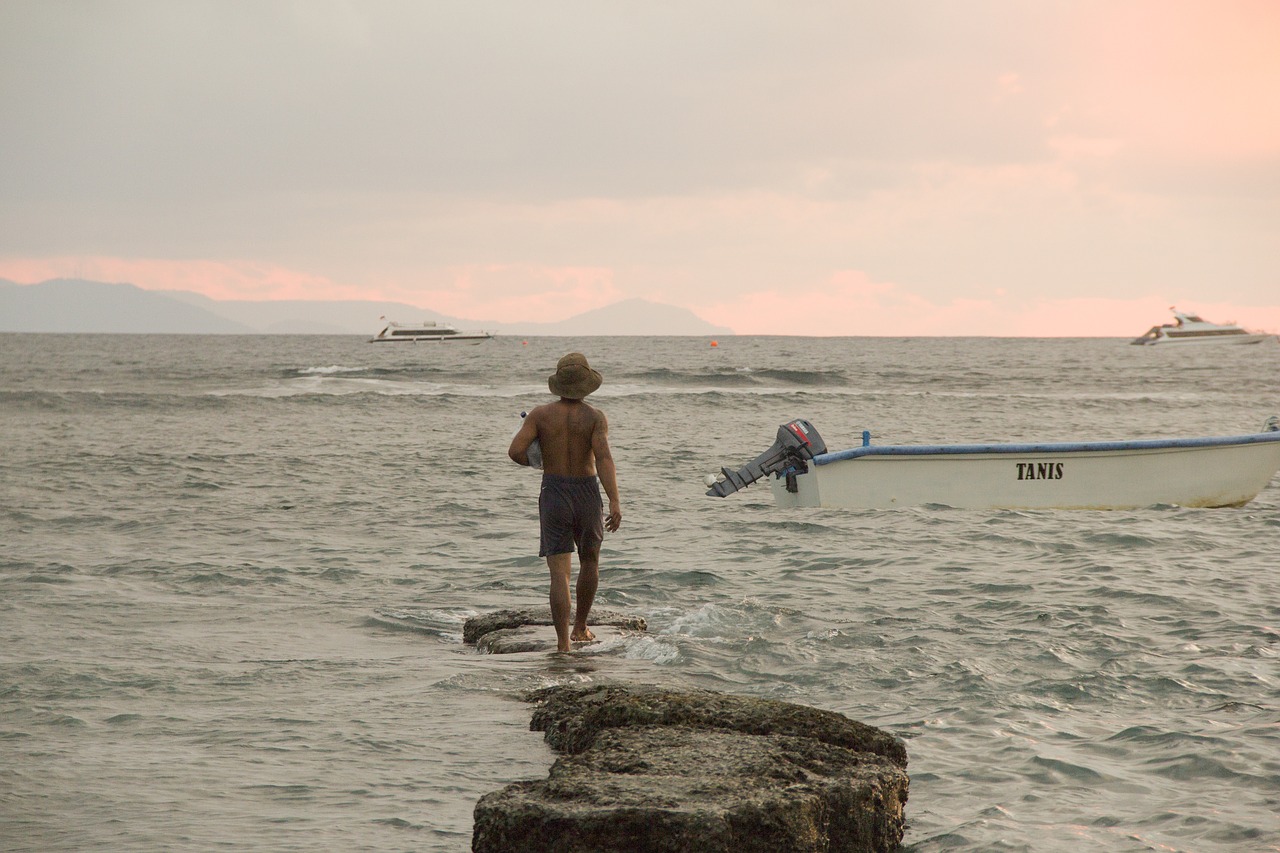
{"points": [[1192, 329], [427, 331]]}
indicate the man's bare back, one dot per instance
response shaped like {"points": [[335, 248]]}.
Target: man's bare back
{"points": [[574, 437], [564, 430]]}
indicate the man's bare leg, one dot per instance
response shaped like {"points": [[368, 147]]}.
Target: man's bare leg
{"points": [[559, 564], [588, 580]]}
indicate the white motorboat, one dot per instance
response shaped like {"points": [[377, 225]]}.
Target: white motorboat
{"points": [[1192, 329], [1226, 471], [427, 331]]}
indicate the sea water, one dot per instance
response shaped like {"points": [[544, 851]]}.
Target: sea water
{"points": [[235, 570]]}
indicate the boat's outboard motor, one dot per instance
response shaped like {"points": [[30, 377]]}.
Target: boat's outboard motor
{"points": [[797, 443]]}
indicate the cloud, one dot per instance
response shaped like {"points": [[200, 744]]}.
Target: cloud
{"points": [[518, 293], [512, 161], [842, 303], [849, 303]]}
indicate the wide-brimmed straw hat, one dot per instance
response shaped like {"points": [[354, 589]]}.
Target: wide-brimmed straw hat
{"points": [[574, 378]]}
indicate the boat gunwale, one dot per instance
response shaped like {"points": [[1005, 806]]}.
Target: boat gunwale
{"points": [[1042, 448], [461, 336]]}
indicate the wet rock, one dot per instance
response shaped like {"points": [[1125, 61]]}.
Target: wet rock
{"points": [[506, 641], [538, 638], [477, 626], [699, 771], [571, 717]]}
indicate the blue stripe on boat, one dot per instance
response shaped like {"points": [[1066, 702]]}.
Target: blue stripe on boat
{"points": [[1054, 447]]}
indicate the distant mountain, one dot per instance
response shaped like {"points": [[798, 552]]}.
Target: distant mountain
{"points": [[305, 317], [629, 317], [72, 305]]}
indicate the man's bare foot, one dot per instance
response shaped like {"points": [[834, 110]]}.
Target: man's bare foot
{"points": [[582, 635]]}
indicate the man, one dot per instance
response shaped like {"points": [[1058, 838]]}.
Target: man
{"points": [[574, 439]]}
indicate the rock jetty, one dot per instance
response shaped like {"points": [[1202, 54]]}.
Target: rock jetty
{"points": [[646, 769]]}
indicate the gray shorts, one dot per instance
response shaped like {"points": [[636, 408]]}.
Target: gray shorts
{"points": [[571, 514]]}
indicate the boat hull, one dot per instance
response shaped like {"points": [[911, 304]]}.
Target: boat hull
{"points": [[414, 339], [1211, 472], [1198, 340]]}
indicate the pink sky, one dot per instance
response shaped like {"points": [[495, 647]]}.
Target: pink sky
{"points": [[994, 168]]}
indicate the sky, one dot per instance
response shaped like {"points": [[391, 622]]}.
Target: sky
{"points": [[987, 167]]}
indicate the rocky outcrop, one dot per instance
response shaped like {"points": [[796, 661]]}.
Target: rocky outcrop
{"points": [[477, 627], [652, 770], [571, 717]]}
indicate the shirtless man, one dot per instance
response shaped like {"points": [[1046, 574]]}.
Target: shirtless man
{"points": [[574, 438]]}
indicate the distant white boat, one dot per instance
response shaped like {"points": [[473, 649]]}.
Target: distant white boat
{"points": [[1224, 471], [1191, 329], [427, 331]]}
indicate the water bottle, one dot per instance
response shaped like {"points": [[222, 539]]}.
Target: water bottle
{"points": [[535, 449]]}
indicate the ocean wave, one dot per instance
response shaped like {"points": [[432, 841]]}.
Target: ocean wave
{"points": [[738, 377], [415, 371], [446, 624], [657, 650], [90, 399], [331, 370]]}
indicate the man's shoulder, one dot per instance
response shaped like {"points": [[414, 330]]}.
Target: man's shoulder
{"points": [[568, 412], [545, 409], [592, 411]]}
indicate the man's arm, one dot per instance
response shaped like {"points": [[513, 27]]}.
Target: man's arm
{"points": [[519, 449], [607, 472]]}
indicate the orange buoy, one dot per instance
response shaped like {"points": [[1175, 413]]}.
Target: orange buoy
{"points": [[715, 343]]}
